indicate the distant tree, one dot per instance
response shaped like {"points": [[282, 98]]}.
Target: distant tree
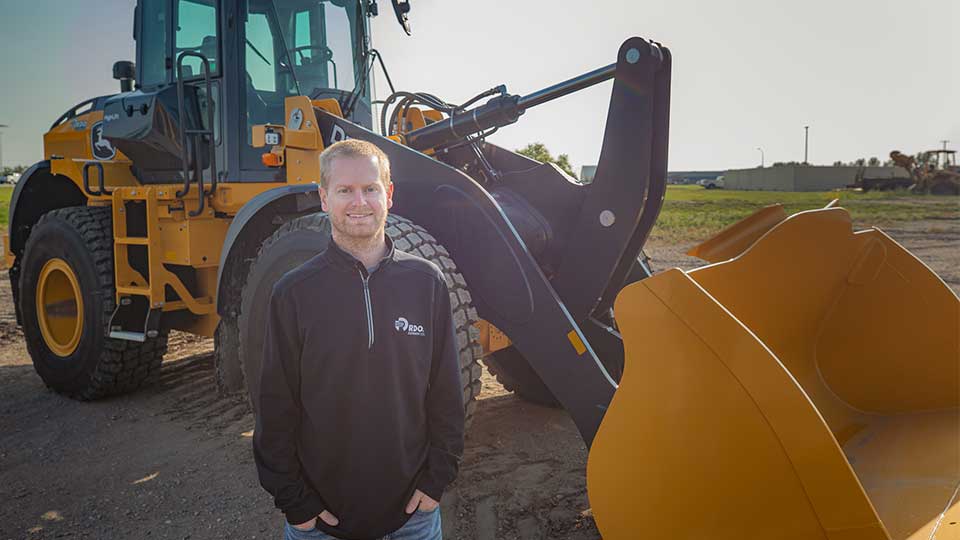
{"points": [[874, 162], [860, 162], [539, 152], [10, 170], [563, 161]]}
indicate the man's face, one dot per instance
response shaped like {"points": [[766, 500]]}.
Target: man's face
{"points": [[355, 199]]}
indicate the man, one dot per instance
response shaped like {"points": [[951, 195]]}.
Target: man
{"points": [[360, 420]]}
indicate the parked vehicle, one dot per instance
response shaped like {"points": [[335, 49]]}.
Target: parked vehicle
{"points": [[712, 183]]}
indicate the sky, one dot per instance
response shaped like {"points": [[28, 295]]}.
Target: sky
{"points": [[867, 76]]}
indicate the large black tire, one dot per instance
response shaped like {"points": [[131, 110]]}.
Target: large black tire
{"points": [[226, 348], [302, 238], [100, 366], [514, 372]]}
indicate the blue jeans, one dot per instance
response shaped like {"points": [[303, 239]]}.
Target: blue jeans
{"points": [[421, 526]]}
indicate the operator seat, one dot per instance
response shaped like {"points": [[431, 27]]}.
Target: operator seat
{"points": [[258, 112]]}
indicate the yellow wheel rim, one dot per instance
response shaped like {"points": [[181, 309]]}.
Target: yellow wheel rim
{"points": [[59, 307]]}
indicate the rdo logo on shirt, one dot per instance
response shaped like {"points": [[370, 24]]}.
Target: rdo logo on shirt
{"points": [[405, 326]]}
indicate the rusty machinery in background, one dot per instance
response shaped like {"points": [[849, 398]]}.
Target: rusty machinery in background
{"points": [[934, 172]]}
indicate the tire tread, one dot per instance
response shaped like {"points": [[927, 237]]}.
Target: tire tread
{"points": [[123, 365]]}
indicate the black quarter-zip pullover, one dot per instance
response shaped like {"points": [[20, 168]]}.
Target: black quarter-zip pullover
{"points": [[360, 398]]}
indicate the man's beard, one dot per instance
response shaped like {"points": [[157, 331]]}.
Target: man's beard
{"points": [[359, 234]]}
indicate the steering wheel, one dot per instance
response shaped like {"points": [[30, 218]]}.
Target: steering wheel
{"points": [[325, 53]]}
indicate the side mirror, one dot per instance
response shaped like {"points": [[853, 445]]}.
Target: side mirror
{"points": [[402, 8], [124, 71]]}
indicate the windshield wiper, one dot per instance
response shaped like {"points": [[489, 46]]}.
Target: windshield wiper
{"points": [[262, 57]]}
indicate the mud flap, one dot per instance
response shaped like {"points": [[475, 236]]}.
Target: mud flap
{"points": [[807, 388]]}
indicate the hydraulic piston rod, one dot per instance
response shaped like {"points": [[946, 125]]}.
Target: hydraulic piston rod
{"points": [[499, 111]]}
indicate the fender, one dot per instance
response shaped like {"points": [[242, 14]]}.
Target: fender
{"points": [[285, 199], [18, 189], [26, 206]]}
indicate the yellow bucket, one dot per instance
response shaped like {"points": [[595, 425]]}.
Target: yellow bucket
{"points": [[806, 388]]}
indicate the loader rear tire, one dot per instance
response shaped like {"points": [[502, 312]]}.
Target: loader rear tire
{"points": [[70, 252], [302, 238]]}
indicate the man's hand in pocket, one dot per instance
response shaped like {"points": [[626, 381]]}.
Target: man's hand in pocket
{"points": [[327, 518], [420, 499]]}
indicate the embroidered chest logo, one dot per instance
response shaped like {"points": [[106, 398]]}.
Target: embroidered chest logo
{"points": [[406, 327]]}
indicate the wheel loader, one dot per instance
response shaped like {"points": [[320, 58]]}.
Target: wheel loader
{"points": [[934, 171], [802, 385]]}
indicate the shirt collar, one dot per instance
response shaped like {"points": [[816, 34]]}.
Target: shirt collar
{"points": [[346, 260]]}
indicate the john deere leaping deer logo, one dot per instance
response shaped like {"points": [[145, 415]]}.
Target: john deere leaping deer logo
{"points": [[102, 149]]}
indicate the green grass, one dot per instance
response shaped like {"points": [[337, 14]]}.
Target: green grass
{"points": [[692, 213], [6, 191]]}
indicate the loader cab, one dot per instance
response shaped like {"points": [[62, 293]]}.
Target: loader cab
{"points": [[259, 52], [300, 47]]}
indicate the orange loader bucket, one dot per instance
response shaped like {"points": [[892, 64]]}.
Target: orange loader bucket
{"points": [[807, 388]]}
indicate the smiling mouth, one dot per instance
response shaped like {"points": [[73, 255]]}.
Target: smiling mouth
{"points": [[358, 216]]}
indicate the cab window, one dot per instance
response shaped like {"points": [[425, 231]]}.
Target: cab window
{"points": [[196, 31], [152, 36], [260, 55]]}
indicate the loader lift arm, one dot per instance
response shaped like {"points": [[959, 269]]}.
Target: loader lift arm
{"points": [[502, 261]]}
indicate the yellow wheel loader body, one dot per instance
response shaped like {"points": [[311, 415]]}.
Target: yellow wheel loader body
{"points": [[806, 388]]}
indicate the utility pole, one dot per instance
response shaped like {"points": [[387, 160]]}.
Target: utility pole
{"points": [[806, 143], [761, 156]]}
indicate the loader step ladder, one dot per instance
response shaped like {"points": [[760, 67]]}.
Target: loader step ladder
{"points": [[140, 276]]}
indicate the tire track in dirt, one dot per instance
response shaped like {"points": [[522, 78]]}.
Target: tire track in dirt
{"points": [[187, 388]]}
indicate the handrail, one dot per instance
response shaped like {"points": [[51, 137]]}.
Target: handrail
{"points": [[197, 134], [85, 172]]}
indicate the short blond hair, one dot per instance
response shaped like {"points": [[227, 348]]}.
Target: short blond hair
{"points": [[353, 148]]}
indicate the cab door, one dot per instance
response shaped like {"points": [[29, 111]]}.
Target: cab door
{"points": [[196, 29]]}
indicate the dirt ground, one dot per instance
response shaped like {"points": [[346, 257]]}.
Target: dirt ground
{"points": [[175, 461]]}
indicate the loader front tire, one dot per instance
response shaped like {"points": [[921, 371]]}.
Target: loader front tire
{"points": [[67, 296], [513, 371], [302, 238]]}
